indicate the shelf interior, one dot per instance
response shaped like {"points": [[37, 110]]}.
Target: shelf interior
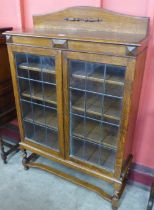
{"points": [[96, 93], [37, 84], [89, 152], [96, 105], [96, 72], [41, 135], [47, 93], [37, 67], [90, 130], [47, 117], [97, 77]]}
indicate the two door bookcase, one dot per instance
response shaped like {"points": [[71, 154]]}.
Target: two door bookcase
{"points": [[77, 78]]}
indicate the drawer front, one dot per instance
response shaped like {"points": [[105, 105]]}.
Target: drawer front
{"points": [[31, 41], [97, 48], [78, 46]]}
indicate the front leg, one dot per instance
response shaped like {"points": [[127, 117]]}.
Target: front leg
{"points": [[25, 159], [116, 195], [115, 200]]}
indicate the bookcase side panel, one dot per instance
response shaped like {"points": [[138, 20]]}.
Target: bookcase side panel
{"points": [[137, 84]]}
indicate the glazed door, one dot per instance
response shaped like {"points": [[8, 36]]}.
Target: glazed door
{"points": [[39, 79], [94, 96]]}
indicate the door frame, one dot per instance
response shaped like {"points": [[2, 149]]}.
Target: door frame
{"points": [[44, 52], [129, 63]]}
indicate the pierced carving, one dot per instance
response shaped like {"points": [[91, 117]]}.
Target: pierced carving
{"points": [[131, 50], [83, 19], [59, 43]]}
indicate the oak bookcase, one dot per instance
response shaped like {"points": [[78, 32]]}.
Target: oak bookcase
{"points": [[77, 78]]}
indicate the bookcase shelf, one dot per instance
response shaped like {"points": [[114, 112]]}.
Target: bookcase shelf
{"points": [[41, 135], [37, 67], [43, 118], [94, 105], [96, 132], [36, 93], [91, 152], [96, 77]]}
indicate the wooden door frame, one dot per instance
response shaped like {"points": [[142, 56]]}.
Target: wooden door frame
{"points": [[44, 52], [125, 116], [129, 63]]}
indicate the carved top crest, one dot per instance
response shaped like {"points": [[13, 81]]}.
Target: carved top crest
{"points": [[90, 24], [91, 19]]}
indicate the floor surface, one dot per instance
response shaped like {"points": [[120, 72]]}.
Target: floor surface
{"points": [[38, 190]]}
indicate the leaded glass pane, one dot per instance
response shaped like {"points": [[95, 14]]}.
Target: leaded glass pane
{"points": [[96, 94], [37, 86]]}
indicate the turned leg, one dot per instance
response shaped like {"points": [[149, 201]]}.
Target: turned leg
{"points": [[119, 187], [116, 196], [25, 159], [115, 200], [3, 155]]}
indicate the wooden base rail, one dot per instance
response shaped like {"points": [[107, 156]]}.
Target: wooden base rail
{"points": [[27, 163]]}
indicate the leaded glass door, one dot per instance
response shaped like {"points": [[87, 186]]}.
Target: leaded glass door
{"points": [[95, 99], [39, 80]]}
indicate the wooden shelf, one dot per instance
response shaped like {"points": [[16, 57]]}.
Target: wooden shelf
{"points": [[110, 89], [93, 153], [113, 90], [49, 140], [95, 132], [36, 93], [98, 77], [47, 118], [94, 107], [37, 67]]}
